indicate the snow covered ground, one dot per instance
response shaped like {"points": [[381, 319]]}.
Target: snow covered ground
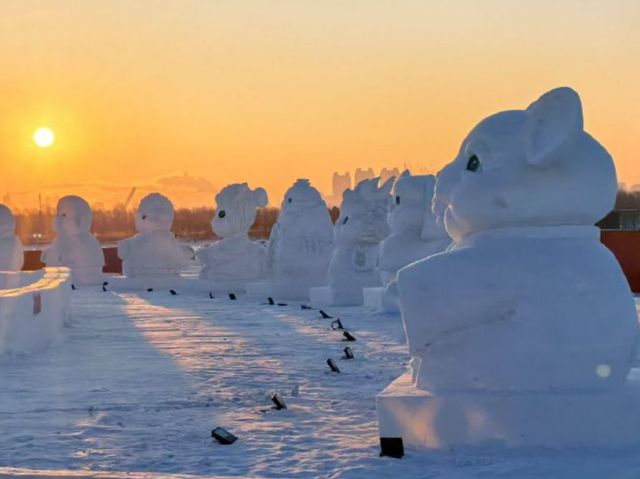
{"points": [[140, 380]]}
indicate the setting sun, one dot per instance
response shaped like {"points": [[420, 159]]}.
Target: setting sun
{"points": [[44, 137]]}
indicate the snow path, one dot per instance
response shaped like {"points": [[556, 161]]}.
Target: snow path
{"points": [[141, 379]]}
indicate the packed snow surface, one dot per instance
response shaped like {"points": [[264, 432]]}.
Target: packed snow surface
{"points": [[141, 379]]}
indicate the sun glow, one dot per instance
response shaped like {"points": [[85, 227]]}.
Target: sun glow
{"points": [[44, 137]]}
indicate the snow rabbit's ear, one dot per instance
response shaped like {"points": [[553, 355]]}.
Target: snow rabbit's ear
{"points": [[260, 197], [385, 189], [555, 120]]}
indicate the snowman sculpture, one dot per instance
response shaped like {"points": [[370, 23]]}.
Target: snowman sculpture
{"points": [[414, 232], [235, 260], [11, 252], [522, 333], [300, 244], [360, 228], [74, 246], [154, 251]]}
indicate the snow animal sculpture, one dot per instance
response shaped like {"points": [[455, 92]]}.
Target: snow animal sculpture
{"points": [[300, 244], [234, 260], [74, 246], [154, 251], [414, 232], [527, 299], [11, 252], [360, 228]]}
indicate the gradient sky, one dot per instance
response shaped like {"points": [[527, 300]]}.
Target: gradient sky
{"points": [[266, 91]]}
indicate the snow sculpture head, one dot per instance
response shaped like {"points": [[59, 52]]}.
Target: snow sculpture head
{"points": [[533, 167], [73, 216], [7, 222], [363, 213], [300, 198], [236, 209], [409, 208], [155, 213]]}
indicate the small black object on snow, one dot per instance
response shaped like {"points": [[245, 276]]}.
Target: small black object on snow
{"points": [[149, 290], [347, 336], [173, 292], [278, 402], [223, 436], [325, 315], [332, 364], [210, 295], [348, 354], [282, 304], [304, 306], [105, 283], [336, 324], [232, 296], [270, 301], [104, 288], [391, 447], [73, 286]]}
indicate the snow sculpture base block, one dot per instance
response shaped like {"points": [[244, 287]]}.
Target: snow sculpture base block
{"points": [[373, 297], [608, 419], [321, 295], [33, 308], [259, 289]]}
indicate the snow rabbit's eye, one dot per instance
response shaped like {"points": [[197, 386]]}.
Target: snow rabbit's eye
{"points": [[144, 217], [397, 200], [473, 164], [289, 200], [222, 214], [344, 221]]}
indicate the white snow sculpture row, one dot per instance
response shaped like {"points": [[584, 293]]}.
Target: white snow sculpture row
{"points": [[522, 333], [299, 255]]}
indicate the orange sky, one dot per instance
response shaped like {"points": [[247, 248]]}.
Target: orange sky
{"points": [[268, 91]]}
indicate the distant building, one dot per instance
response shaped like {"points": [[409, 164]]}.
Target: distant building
{"points": [[362, 174], [340, 183], [386, 173]]}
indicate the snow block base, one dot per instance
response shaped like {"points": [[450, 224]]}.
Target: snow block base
{"points": [[321, 295], [373, 297], [568, 420], [259, 289]]}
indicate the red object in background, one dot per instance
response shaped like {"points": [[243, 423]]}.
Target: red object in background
{"points": [[625, 245], [112, 264]]}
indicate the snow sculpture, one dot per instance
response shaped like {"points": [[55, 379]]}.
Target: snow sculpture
{"points": [[523, 331], [300, 245], [234, 260], [74, 246], [414, 233], [11, 253], [154, 251], [357, 234]]}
